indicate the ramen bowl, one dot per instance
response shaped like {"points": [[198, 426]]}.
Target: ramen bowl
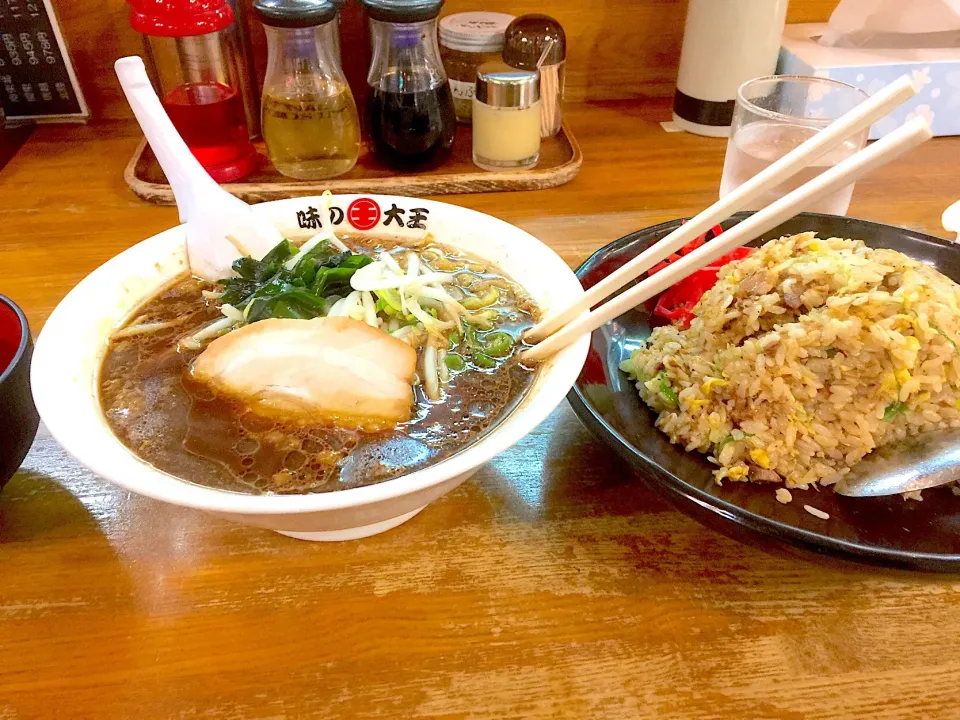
{"points": [[72, 345]]}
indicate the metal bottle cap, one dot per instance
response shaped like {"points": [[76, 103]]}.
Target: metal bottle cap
{"points": [[402, 11], [500, 85], [294, 13]]}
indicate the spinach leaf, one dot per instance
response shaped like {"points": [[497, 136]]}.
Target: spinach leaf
{"points": [[266, 289], [332, 281], [283, 251]]}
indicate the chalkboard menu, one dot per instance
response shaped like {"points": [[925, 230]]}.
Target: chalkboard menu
{"points": [[37, 80]]}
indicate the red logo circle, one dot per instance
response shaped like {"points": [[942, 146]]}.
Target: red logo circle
{"points": [[363, 213]]}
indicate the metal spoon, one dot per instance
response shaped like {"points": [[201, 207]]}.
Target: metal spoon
{"points": [[914, 463]]}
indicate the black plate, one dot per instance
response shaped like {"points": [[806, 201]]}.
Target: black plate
{"points": [[885, 531]]}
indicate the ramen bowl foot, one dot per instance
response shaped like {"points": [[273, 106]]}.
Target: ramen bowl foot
{"points": [[352, 533]]}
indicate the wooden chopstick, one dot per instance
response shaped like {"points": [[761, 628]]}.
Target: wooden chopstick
{"points": [[859, 118], [881, 152]]}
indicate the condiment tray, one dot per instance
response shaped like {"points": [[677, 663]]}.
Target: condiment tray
{"points": [[560, 160]]}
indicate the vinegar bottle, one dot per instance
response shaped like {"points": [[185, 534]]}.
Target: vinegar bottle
{"points": [[309, 118], [199, 69]]}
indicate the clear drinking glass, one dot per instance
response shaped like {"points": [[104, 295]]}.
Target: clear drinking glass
{"points": [[775, 114]]}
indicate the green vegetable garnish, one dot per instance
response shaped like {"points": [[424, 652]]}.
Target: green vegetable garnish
{"points": [[266, 289], [388, 300], [666, 391], [455, 362], [720, 445], [470, 337], [729, 439], [946, 337], [894, 409], [498, 344], [484, 361]]}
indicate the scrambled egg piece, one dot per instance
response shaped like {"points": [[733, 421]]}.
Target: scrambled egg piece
{"points": [[761, 457], [889, 385], [710, 383], [738, 472]]}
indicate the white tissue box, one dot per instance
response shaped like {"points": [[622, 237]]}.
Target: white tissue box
{"points": [[936, 69]]}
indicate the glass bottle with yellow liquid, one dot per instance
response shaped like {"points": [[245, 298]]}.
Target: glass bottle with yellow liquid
{"points": [[308, 114]]}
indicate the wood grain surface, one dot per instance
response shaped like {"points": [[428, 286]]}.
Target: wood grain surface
{"points": [[616, 48], [552, 585]]}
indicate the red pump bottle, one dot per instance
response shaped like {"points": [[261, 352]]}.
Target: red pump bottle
{"points": [[199, 67]]}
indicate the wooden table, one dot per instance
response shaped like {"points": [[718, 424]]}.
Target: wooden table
{"points": [[551, 585]]}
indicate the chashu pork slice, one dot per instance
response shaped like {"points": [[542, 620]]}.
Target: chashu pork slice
{"points": [[335, 369]]}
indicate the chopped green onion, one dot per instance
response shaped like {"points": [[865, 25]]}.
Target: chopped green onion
{"points": [[894, 409], [470, 337], [666, 391], [389, 298], [723, 443], [946, 337], [484, 361], [498, 344], [455, 362], [730, 439]]}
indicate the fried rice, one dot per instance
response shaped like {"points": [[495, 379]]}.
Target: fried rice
{"points": [[804, 357]]}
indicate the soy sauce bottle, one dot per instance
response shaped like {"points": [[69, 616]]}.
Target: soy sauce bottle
{"points": [[409, 113]]}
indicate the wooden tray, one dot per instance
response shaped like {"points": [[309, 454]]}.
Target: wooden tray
{"points": [[560, 160]]}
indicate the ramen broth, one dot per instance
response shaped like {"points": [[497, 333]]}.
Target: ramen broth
{"points": [[164, 415]]}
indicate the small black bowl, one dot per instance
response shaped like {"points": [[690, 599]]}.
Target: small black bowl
{"points": [[18, 415], [880, 531]]}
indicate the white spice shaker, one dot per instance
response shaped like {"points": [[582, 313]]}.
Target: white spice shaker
{"points": [[506, 117]]}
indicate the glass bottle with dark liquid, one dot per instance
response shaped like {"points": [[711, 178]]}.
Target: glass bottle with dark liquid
{"points": [[409, 113]]}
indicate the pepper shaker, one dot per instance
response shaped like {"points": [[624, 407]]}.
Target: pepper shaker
{"points": [[528, 39]]}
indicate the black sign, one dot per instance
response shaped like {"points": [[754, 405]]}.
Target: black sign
{"points": [[36, 78]]}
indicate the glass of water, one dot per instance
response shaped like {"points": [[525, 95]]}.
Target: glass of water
{"points": [[775, 114]]}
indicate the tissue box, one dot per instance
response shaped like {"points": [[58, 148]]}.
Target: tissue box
{"points": [[936, 69]]}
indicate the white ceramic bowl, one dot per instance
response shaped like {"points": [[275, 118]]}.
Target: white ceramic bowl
{"points": [[71, 346]]}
